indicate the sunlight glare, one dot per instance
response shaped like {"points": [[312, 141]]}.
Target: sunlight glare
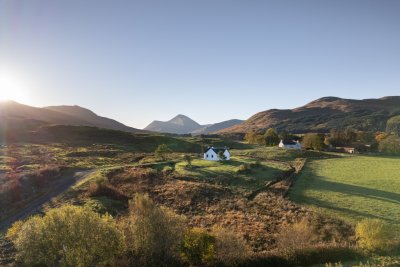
{"points": [[11, 89]]}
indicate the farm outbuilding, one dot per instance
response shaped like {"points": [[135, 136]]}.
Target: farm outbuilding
{"points": [[214, 153]]}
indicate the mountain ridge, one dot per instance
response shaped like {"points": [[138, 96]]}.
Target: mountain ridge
{"points": [[324, 114], [12, 113]]}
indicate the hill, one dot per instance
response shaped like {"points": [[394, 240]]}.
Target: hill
{"points": [[16, 115], [182, 124], [212, 128], [325, 114]]}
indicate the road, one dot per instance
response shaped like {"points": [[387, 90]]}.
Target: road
{"points": [[36, 205]]}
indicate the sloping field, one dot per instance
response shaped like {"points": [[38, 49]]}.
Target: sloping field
{"points": [[353, 187]]}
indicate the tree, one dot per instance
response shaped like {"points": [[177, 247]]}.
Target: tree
{"points": [[198, 247], [271, 137], [153, 234], [67, 236], [188, 159], [393, 125], [162, 151], [390, 145], [313, 141], [251, 136], [221, 155]]}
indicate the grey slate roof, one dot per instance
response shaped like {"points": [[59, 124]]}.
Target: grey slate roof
{"points": [[217, 149]]}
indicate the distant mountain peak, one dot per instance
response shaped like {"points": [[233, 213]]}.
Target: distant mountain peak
{"points": [[184, 120], [182, 124]]}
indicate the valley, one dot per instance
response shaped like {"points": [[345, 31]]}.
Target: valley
{"points": [[263, 194]]}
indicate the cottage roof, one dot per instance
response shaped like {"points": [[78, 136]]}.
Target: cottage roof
{"points": [[216, 149]]}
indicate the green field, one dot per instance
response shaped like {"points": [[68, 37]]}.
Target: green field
{"points": [[228, 173], [352, 187]]}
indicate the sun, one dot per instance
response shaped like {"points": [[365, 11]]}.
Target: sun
{"points": [[11, 88]]}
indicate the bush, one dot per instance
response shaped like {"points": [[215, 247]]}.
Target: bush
{"points": [[230, 249], [256, 164], [198, 247], [67, 236], [375, 235], [152, 233], [167, 170], [297, 236], [243, 168]]}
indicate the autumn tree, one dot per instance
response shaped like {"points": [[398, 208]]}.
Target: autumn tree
{"points": [[251, 137], [271, 137], [375, 235], [390, 145], [313, 141], [393, 125], [67, 236], [153, 234], [198, 247]]}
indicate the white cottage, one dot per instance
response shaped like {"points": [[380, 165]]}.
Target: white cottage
{"points": [[290, 144], [212, 153]]}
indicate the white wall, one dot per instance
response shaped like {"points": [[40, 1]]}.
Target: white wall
{"points": [[213, 156]]}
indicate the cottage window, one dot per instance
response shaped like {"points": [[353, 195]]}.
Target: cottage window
{"points": [[212, 156]]}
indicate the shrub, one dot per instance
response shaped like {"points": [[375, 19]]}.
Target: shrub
{"points": [[256, 164], [167, 170], [67, 236], [243, 168], [230, 249], [297, 236], [374, 235], [198, 247], [153, 233]]}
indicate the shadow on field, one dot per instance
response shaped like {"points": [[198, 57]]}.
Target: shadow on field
{"points": [[377, 194], [351, 212]]}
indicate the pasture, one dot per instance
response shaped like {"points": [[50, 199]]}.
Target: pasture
{"points": [[256, 174], [352, 187]]}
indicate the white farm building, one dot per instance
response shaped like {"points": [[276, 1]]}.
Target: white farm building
{"points": [[290, 144], [212, 153]]}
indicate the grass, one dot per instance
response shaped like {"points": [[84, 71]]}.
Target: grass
{"points": [[227, 172], [352, 187]]}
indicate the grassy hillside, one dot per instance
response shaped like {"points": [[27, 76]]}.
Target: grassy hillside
{"points": [[352, 187], [325, 114]]}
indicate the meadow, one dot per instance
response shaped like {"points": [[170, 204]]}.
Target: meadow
{"points": [[352, 187]]}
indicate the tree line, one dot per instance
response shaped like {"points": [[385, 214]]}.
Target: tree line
{"points": [[363, 141]]}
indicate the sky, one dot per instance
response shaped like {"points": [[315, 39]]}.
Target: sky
{"points": [[139, 61]]}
